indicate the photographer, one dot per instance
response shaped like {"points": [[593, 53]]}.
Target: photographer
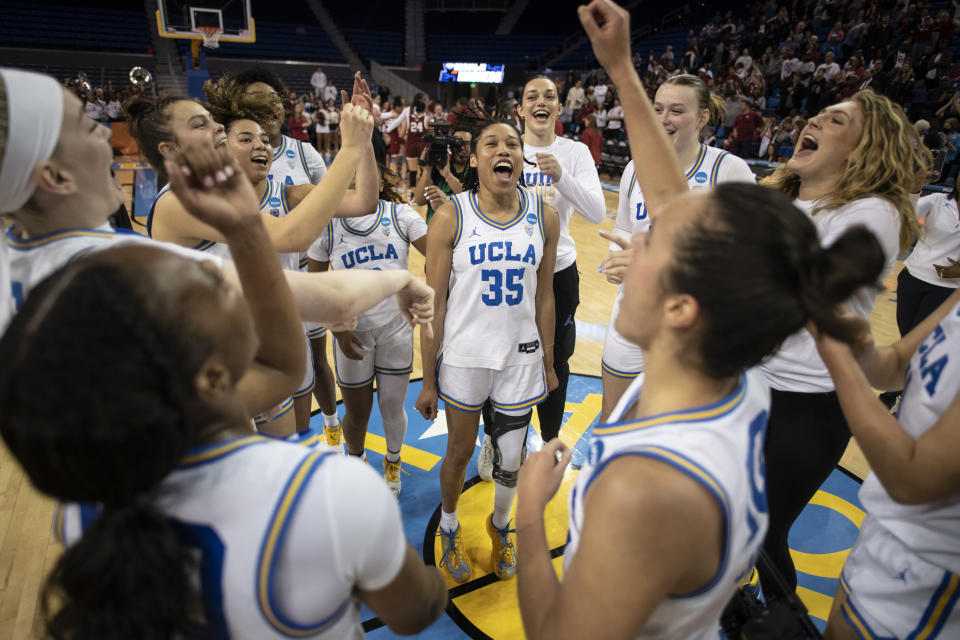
{"points": [[435, 184]]}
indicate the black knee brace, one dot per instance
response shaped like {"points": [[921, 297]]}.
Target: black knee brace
{"points": [[503, 424]]}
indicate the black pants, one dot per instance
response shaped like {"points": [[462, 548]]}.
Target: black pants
{"points": [[566, 296], [806, 436], [916, 300]]}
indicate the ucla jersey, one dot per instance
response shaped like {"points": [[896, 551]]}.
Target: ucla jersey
{"points": [[280, 554], [218, 249], [7, 292], [720, 446], [296, 162], [491, 304], [932, 384], [33, 259], [274, 202], [379, 241]]}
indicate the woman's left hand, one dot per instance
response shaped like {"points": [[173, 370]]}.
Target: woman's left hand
{"points": [[549, 166], [951, 270]]}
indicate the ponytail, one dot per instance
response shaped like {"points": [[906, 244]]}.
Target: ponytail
{"points": [[718, 110], [830, 276], [149, 124], [754, 265], [127, 577]]}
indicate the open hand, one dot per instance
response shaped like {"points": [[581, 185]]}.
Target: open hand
{"points": [[356, 125]]}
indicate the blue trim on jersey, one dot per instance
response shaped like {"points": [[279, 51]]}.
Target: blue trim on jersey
{"points": [[285, 408], [212, 452], [306, 438], [88, 515], [696, 414], [396, 222], [153, 207], [283, 198], [319, 332], [716, 167], [266, 194], [303, 262], [696, 164], [475, 205], [358, 232], [938, 611], [617, 373], [692, 469], [20, 244], [203, 245], [281, 148], [459, 211], [633, 183], [270, 553], [543, 233], [306, 391], [303, 159]]}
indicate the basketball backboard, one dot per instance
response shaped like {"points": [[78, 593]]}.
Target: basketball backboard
{"points": [[186, 19]]}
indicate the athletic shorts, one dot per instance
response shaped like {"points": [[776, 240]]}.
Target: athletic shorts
{"points": [[621, 358], [894, 593], [285, 407], [314, 330], [415, 147], [389, 353], [512, 391], [394, 143]]}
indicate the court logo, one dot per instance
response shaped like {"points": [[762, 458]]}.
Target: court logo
{"points": [[701, 177]]}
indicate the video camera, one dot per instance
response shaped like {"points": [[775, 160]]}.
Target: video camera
{"points": [[441, 142]]}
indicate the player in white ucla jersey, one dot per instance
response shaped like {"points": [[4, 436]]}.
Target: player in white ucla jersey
{"points": [[381, 347], [902, 578], [232, 529], [684, 107], [562, 172], [492, 250], [671, 508], [7, 290]]}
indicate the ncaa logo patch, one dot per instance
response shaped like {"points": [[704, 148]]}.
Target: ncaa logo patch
{"points": [[531, 218], [385, 222], [274, 202], [701, 177], [290, 153]]}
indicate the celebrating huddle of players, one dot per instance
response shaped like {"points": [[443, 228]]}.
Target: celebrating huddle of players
{"points": [[194, 502]]}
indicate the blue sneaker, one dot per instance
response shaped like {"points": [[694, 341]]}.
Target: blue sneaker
{"points": [[454, 560], [504, 554]]}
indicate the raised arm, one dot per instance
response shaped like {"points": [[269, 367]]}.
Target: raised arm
{"points": [[211, 187], [658, 168], [440, 238]]}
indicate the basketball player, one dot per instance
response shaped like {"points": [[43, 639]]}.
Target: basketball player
{"points": [[416, 126], [669, 511], [490, 254], [382, 344], [561, 171], [902, 578], [189, 479], [260, 88], [58, 220], [685, 106]]}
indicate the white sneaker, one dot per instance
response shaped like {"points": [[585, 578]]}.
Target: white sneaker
{"points": [[391, 473], [485, 460]]}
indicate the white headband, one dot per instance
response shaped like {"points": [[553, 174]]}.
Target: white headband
{"points": [[34, 118]]}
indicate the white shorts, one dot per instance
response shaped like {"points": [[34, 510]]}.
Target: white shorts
{"points": [[309, 380], [512, 391], [314, 330], [285, 407], [390, 353], [893, 592], [621, 358]]}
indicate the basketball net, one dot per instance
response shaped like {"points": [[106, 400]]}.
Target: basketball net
{"points": [[211, 36]]}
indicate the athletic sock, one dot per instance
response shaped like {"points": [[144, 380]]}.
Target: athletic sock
{"points": [[331, 420], [448, 521], [393, 456], [502, 502]]}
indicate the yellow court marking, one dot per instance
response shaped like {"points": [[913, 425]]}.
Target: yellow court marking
{"points": [[828, 565], [817, 604], [410, 455]]}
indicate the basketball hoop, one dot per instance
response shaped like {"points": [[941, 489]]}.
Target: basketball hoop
{"points": [[211, 36]]}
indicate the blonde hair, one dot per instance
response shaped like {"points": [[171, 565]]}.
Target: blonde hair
{"points": [[884, 163], [706, 99]]}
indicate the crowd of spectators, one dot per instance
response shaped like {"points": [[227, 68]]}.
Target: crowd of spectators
{"points": [[781, 61], [105, 104]]}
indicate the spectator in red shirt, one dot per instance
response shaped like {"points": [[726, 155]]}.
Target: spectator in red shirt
{"points": [[593, 138], [299, 123], [746, 128]]}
